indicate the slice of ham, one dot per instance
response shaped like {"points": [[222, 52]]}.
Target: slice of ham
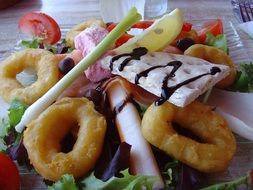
{"points": [[128, 122], [86, 41]]}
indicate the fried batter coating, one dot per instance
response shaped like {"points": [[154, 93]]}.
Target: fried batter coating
{"points": [[211, 155], [43, 137], [73, 32], [217, 56], [46, 66]]}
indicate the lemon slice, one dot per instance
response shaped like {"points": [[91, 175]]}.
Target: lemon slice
{"points": [[162, 32]]}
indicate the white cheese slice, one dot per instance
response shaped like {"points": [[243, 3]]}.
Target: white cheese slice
{"points": [[191, 67]]}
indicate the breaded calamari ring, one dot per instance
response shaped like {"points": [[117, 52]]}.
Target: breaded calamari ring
{"points": [[46, 66], [43, 137], [73, 32], [211, 155], [217, 56]]}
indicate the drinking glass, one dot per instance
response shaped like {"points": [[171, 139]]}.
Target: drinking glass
{"points": [[115, 10], [155, 8]]}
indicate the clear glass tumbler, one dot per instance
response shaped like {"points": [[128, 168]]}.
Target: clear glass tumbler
{"points": [[155, 9], [115, 10]]}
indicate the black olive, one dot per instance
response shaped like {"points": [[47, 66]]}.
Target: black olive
{"points": [[66, 65], [61, 48], [185, 43]]}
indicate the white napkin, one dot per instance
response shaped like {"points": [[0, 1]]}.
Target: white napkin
{"points": [[115, 10], [247, 27]]}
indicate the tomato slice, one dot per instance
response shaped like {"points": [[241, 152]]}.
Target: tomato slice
{"points": [[143, 24], [187, 27], [111, 26], [213, 26], [123, 39], [9, 176], [40, 25], [140, 25]]}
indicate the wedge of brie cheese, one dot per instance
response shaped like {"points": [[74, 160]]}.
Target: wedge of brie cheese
{"points": [[179, 79]]}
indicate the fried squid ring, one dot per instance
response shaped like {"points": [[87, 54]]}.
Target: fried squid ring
{"points": [[73, 32], [43, 138], [211, 155], [217, 56], [42, 61]]}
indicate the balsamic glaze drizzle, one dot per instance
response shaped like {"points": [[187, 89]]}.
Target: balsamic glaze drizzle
{"points": [[166, 92], [144, 73], [135, 55], [120, 106]]}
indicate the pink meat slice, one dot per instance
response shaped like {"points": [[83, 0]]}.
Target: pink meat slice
{"points": [[86, 41]]}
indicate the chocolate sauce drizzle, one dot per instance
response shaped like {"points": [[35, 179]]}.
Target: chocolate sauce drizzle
{"points": [[166, 92], [135, 55]]}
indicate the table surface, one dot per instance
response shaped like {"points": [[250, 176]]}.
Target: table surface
{"points": [[68, 13]]}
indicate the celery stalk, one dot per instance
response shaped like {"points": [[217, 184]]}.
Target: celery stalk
{"points": [[48, 98]]}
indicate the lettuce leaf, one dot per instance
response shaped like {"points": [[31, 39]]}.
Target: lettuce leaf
{"points": [[244, 81], [32, 43], [4, 130], [4, 127], [67, 182], [244, 182], [170, 174], [126, 182], [3, 145], [16, 111], [219, 41]]}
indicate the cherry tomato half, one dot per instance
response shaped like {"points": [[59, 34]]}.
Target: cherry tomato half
{"points": [[40, 25], [9, 176], [213, 26]]}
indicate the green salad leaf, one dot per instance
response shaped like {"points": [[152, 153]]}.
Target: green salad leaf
{"points": [[16, 111], [4, 130], [32, 43], [67, 182], [3, 145], [246, 181], [36, 42], [244, 80], [219, 41], [170, 174], [126, 182]]}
